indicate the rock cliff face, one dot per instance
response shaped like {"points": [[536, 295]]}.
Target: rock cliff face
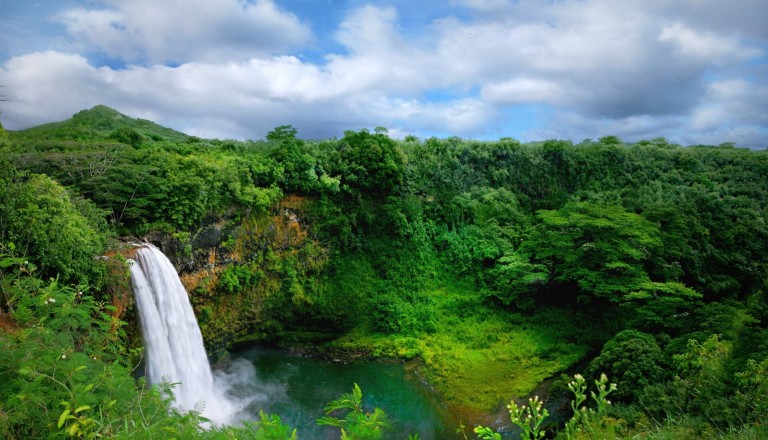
{"points": [[200, 251], [243, 274]]}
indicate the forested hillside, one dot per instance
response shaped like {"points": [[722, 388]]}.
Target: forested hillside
{"points": [[498, 265]]}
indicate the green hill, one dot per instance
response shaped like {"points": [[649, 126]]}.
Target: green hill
{"points": [[96, 124]]}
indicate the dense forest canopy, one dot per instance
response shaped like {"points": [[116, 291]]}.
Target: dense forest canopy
{"points": [[512, 262]]}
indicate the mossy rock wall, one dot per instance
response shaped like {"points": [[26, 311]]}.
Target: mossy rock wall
{"points": [[247, 275]]}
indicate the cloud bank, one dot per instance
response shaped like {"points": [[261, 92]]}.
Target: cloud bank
{"points": [[235, 69]]}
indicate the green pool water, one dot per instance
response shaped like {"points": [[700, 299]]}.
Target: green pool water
{"points": [[298, 388]]}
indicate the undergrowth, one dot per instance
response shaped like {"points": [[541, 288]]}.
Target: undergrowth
{"points": [[476, 357]]}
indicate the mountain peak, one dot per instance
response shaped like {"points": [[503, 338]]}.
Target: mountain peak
{"points": [[98, 122], [101, 117]]}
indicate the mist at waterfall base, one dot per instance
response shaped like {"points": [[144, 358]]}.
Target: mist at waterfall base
{"points": [[295, 388], [174, 345]]}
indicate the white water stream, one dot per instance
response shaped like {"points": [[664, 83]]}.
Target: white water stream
{"points": [[296, 387], [174, 345]]}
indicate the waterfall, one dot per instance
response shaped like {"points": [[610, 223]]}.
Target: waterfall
{"points": [[173, 342]]}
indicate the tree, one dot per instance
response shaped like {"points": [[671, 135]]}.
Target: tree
{"points": [[293, 155], [44, 222], [127, 136], [371, 163], [633, 359], [610, 140], [598, 250], [282, 133]]}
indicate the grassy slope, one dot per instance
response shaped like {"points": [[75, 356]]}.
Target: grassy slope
{"points": [[97, 121], [478, 358]]}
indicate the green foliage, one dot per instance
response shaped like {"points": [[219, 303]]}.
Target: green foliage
{"points": [[45, 223], [707, 388], [371, 163], [357, 424], [430, 248], [395, 314], [529, 418], [97, 123], [659, 306], [268, 427], [4, 141], [634, 359], [235, 278], [282, 134], [127, 136], [752, 390], [586, 420], [299, 173], [486, 433], [515, 280], [600, 250]]}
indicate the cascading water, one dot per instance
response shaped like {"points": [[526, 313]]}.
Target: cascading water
{"points": [[173, 342], [175, 353]]}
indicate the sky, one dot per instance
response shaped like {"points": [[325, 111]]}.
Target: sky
{"points": [[692, 71]]}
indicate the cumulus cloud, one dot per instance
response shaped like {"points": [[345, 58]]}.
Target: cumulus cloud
{"points": [[613, 67], [577, 127], [707, 45], [379, 59], [605, 61], [46, 86], [242, 100], [730, 98], [736, 110], [745, 18], [637, 69], [193, 30], [524, 90]]}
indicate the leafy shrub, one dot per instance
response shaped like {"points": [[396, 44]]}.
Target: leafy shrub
{"points": [[235, 278], [42, 221], [633, 359], [357, 423], [393, 314]]}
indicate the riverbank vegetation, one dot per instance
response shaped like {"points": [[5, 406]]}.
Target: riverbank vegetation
{"points": [[498, 265]]}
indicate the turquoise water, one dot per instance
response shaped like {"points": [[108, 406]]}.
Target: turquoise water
{"points": [[298, 388]]}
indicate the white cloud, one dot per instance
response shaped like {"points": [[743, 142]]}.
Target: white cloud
{"points": [[523, 90], [193, 30], [459, 117], [708, 46], [379, 59], [605, 60], [635, 69], [744, 18], [575, 126], [370, 30], [48, 86], [486, 5], [733, 111], [243, 100]]}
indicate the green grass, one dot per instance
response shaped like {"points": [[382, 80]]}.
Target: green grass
{"points": [[477, 358]]}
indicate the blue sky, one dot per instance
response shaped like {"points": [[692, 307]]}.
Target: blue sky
{"points": [[693, 71]]}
